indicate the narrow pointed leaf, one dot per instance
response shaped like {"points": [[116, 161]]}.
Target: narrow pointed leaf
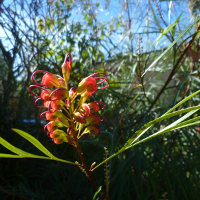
{"points": [[180, 123], [96, 193], [27, 155], [23, 154], [141, 131], [162, 132], [183, 101], [35, 142], [168, 29], [171, 45], [6, 155], [14, 149]]}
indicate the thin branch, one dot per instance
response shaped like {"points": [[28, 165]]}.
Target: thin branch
{"points": [[175, 68]]}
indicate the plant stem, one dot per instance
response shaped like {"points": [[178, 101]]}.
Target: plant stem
{"points": [[87, 171]]}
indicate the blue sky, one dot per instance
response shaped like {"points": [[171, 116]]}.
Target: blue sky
{"points": [[140, 20]]}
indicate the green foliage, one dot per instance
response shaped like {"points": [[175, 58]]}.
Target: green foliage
{"points": [[132, 142], [172, 44], [96, 193], [23, 154], [133, 48]]}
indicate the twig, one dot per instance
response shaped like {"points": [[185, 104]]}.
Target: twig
{"points": [[175, 68], [86, 170]]}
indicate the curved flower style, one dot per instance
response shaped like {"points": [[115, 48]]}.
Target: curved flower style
{"points": [[69, 117]]}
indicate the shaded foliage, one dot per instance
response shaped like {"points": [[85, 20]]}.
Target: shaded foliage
{"points": [[37, 36]]}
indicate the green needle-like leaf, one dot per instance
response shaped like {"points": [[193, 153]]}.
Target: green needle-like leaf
{"points": [[144, 129], [180, 123], [168, 29], [96, 193], [6, 155], [23, 154], [14, 149], [34, 141], [171, 45]]}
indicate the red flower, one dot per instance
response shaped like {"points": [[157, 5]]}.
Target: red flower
{"points": [[69, 116], [87, 87], [50, 80]]}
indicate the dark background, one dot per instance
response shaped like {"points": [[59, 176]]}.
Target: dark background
{"points": [[36, 34]]}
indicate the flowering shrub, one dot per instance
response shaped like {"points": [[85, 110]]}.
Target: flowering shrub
{"points": [[69, 113]]}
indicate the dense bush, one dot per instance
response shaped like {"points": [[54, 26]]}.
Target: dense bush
{"points": [[146, 79]]}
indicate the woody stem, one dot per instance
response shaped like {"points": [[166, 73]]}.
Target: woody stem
{"points": [[88, 172]]}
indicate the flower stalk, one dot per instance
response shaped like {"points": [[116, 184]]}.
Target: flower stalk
{"points": [[70, 118]]}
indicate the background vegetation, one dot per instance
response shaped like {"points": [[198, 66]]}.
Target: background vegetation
{"points": [[151, 43]]}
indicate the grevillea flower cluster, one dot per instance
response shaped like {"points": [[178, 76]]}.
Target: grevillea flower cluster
{"points": [[69, 112]]}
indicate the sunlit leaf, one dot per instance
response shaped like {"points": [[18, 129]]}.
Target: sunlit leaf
{"points": [[13, 148], [34, 141], [180, 123], [171, 45]]}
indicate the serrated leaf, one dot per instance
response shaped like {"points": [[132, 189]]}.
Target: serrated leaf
{"points": [[35, 142]]}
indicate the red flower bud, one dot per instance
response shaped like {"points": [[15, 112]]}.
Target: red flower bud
{"points": [[57, 115], [79, 117], [86, 109], [70, 131], [45, 94], [61, 81], [50, 80], [94, 106], [58, 140], [92, 119], [51, 116], [67, 102], [57, 105], [58, 136], [58, 94], [87, 86], [66, 68], [46, 104], [71, 92], [52, 125]]}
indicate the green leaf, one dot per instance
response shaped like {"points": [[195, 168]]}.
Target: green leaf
{"points": [[167, 129], [168, 29], [146, 127], [13, 148], [28, 155], [180, 123], [183, 101], [195, 119], [24, 154], [6, 155], [34, 141], [171, 45], [96, 193]]}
